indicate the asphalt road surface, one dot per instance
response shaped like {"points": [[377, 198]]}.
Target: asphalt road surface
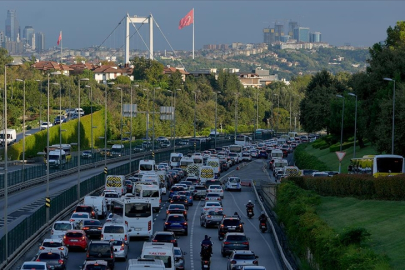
{"points": [[260, 243]]}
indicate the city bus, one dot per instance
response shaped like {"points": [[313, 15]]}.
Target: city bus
{"points": [[377, 165], [243, 140], [136, 213]]}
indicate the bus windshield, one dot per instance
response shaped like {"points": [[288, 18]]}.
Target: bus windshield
{"points": [[389, 165], [137, 209]]}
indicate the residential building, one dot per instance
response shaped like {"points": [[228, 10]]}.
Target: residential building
{"points": [[104, 73], [301, 34], [12, 26], [170, 70], [266, 77], [250, 80], [51, 65], [2, 38]]}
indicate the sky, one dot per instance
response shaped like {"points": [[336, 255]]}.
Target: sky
{"points": [[91, 23]]}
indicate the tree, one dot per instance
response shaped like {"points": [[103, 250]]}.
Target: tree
{"points": [[125, 80]]}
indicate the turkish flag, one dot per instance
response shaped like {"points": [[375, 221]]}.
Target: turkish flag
{"points": [[60, 38], [187, 20]]}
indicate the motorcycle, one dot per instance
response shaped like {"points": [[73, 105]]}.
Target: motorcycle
{"points": [[250, 213], [205, 257], [205, 264], [263, 226]]}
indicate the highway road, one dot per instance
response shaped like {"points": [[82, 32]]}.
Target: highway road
{"points": [[260, 243]]}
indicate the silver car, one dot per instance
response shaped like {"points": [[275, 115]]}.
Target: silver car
{"points": [[120, 249], [179, 260], [211, 218], [240, 258], [54, 245]]}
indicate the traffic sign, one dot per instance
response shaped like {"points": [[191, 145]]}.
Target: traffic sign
{"points": [[340, 155], [48, 202], [105, 170]]}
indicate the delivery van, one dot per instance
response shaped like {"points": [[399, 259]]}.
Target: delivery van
{"points": [[145, 264], [99, 203], [10, 138], [116, 183], [175, 160], [215, 164], [160, 251]]}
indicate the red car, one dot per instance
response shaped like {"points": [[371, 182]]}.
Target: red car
{"points": [[76, 239]]}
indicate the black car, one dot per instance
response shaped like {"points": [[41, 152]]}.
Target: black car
{"points": [[165, 237], [92, 227], [54, 260], [229, 224], [101, 250], [179, 199]]}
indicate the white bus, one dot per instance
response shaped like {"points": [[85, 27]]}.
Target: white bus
{"points": [[236, 148], [243, 140], [137, 213], [175, 160]]}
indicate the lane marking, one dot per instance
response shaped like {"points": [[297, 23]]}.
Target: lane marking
{"points": [[255, 227], [192, 237]]}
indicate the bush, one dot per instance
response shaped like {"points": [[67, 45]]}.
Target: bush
{"points": [[307, 232], [37, 142], [336, 146], [306, 161]]}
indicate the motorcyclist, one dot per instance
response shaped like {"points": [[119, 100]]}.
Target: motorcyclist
{"points": [[208, 246], [249, 206], [262, 217]]}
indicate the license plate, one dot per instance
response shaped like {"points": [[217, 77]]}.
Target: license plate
{"points": [[176, 224], [93, 230], [231, 229], [263, 227], [138, 229], [73, 240]]}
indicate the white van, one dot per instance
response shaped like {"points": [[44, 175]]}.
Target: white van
{"points": [[160, 251], [175, 160], [152, 194], [115, 230], [99, 204], [57, 158], [10, 138], [116, 183], [214, 163], [276, 154], [117, 150], [79, 110], [147, 165], [206, 173], [145, 264], [185, 161]]}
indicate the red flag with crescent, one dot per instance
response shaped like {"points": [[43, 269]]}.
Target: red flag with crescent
{"points": [[187, 20], [60, 38]]}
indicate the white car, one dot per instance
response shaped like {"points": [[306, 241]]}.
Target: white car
{"points": [[216, 189], [75, 218], [120, 249], [45, 125], [34, 265], [59, 228], [54, 245], [211, 205], [233, 183]]}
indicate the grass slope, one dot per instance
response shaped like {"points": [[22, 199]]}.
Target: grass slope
{"points": [[383, 219], [331, 159]]}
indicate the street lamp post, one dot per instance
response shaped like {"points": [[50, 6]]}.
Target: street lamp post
{"points": [[60, 115], [355, 125], [147, 115], [23, 128], [40, 101], [153, 119], [341, 130], [236, 115], [278, 110], [91, 119], [257, 114], [171, 126], [130, 133], [121, 116], [195, 116], [216, 116], [105, 128], [78, 144], [393, 116]]}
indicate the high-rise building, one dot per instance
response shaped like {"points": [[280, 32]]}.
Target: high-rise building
{"points": [[27, 34], [40, 42], [269, 36], [315, 37], [12, 26], [291, 26], [279, 30], [2, 39], [301, 34]]}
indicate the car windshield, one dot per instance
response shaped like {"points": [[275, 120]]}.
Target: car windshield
{"points": [[74, 234], [215, 213], [95, 267], [80, 215], [163, 237], [150, 193], [104, 249], [33, 266], [231, 222], [92, 222], [52, 244], [117, 242], [213, 195], [176, 218], [234, 180], [236, 238], [49, 256], [176, 207], [84, 209], [62, 226], [244, 257], [167, 260]]}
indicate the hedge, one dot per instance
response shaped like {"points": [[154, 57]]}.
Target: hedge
{"points": [[308, 232], [336, 146], [37, 142], [360, 186], [307, 161]]}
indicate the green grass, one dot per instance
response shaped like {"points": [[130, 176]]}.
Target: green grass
{"points": [[383, 219], [331, 160]]}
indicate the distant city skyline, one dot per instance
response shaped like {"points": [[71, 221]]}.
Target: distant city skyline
{"points": [[89, 23]]}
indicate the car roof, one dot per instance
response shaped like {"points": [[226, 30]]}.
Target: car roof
{"points": [[176, 205], [58, 240], [234, 233], [101, 262], [243, 252], [164, 232]]}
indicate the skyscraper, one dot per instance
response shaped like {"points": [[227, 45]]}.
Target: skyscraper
{"points": [[279, 30], [1, 38], [268, 36], [40, 42], [315, 37], [27, 34], [301, 34], [291, 26], [12, 26]]}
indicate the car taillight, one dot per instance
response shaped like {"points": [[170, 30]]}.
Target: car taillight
{"points": [[71, 220], [64, 237], [166, 223], [85, 228], [102, 236], [100, 228], [60, 261], [122, 247], [255, 262], [167, 211], [233, 262], [227, 243], [61, 248], [38, 260], [222, 225], [218, 198], [149, 225], [245, 243], [184, 223], [173, 241], [209, 216], [126, 238], [154, 240], [83, 238], [87, 255]]}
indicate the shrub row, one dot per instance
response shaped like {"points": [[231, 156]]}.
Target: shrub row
{"points": [[360, 186], [307, 161], [336, 147], [308, 232], [37, 142], [320, 143]]}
